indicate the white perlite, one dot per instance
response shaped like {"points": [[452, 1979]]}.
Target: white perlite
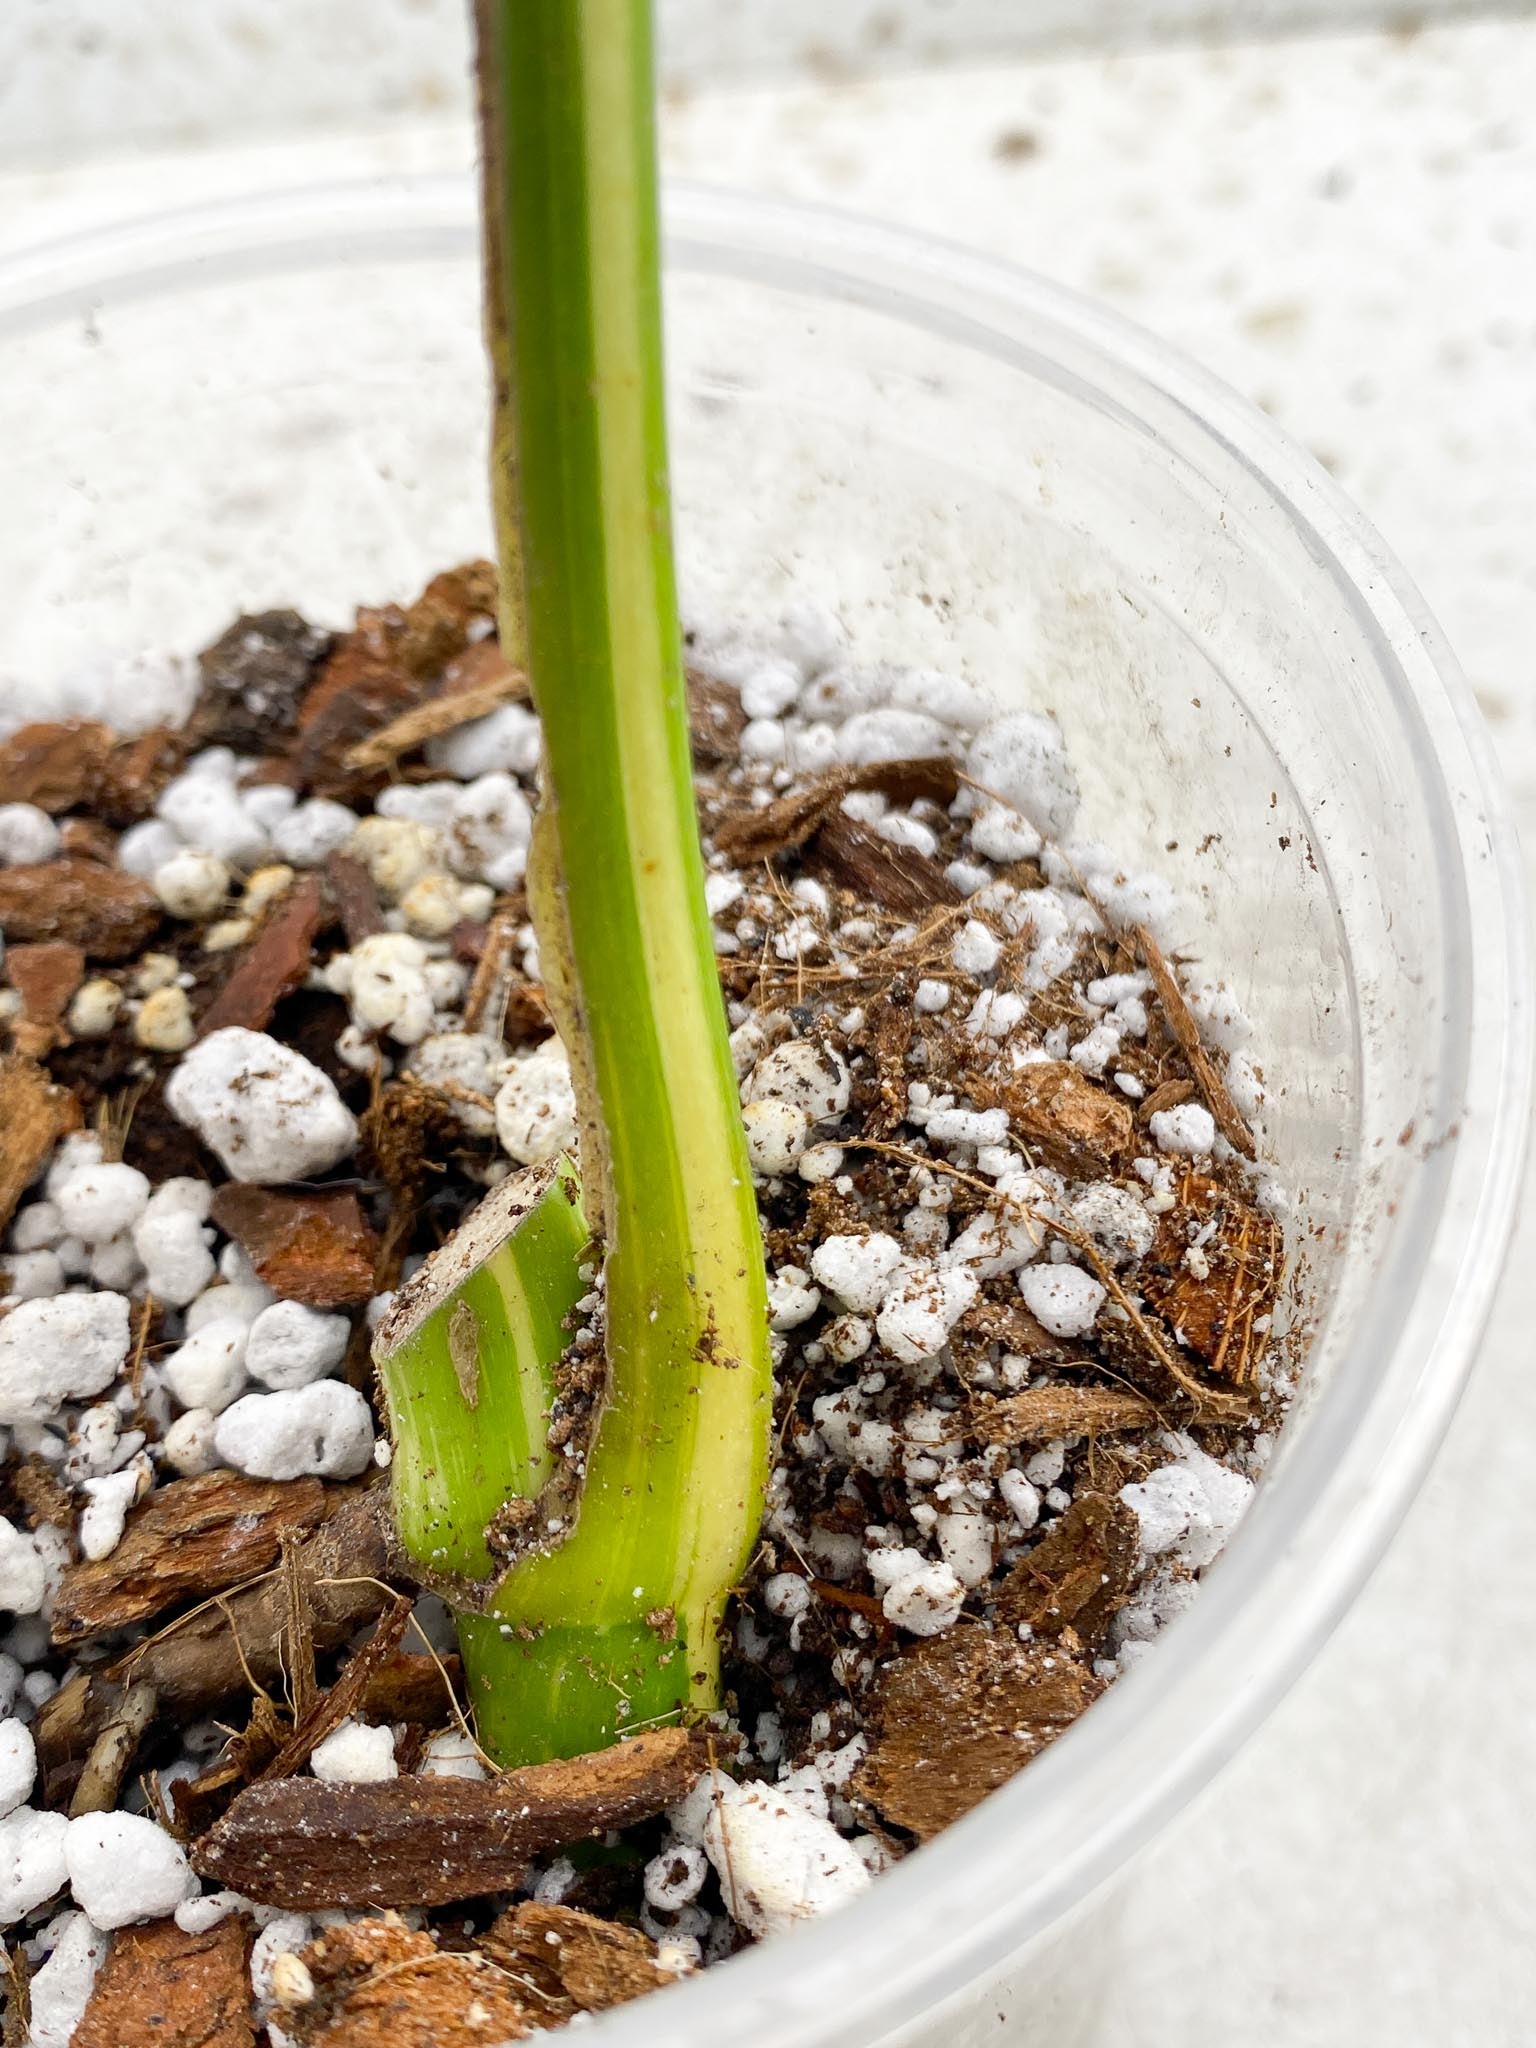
{"points": [[123, 1868], [96, 1203], [1188, 1131], [1189, 1508], [27, 835], [208, 1371], [860, 1269], [67, 1348], [265, 1110], [813, 1077], [61, 1988], [918, 1595], [23, 1570], [355, 1753], [18, 1765], [1064, 1299], [290, 1345], [776, 1134], [920, 1311], [536, 1106], [778, 1862], [31, 1861], [324, 1429], [452, 1755]]}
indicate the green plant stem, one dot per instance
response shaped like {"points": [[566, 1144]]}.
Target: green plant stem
{"points": [[618, 1623]]}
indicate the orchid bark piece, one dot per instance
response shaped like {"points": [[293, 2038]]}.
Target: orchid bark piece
{"points": [[608, 1618]]}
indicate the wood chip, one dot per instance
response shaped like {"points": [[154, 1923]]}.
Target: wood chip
{"points": [[34, 1115], [316, 1248], [55, 764], [136, 772], [956, 1716], [890, 1040], [413, 1686], [857, 858], [45, 976], [378, 1984], [594, 1963], [113, 1751], [498, 683], [426, 1841], [345, 1697], [104, 910], [1186, 1031], [785, 825], [355, 897], [1067, 1121], [716, 720], [1239, 1253], [220, 1649], [198, 1802], [187, 1539], [1078, 1575], [273, 965], [1042, 1414], [173, 1989], [254, 678], [1172, 1094]]}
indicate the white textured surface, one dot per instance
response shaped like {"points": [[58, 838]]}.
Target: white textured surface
{"points": [[81, 77], [1347, 231]]}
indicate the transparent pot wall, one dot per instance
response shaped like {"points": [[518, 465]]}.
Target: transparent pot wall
{"points": [[282, 402], [302, 422]]}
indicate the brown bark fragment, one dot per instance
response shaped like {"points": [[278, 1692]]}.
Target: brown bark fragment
{"points": [[34, 1115], [1167, 1095], [715, 719], [314, 1248], [956, 1716], [42, 1494], [426, 1841], [87, 839], [890, 1040], [45, 976], [379, 1985], [53, 764], [413, 1686], [176, 1990], [107, 912], [1186, 1031], [345, 1697], [356, 899], [1078, 1575], [1212, 1313], [896, 878], [1065, 1119], [480, 681], [1041, 1414], [594, 1963], [136, 771], [101, 1781], [187, 1539], [273, 965], [214, 1653], [254, 677], [785, 825]]}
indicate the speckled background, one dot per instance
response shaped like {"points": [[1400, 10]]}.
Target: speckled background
{"points": [[1345, 228]]}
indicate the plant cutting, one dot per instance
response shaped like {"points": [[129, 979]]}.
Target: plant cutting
{"points": [[609, 1617], [284, 1084]]}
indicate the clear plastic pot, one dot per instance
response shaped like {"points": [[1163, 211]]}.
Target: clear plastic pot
{"points": [[281, 401]]}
